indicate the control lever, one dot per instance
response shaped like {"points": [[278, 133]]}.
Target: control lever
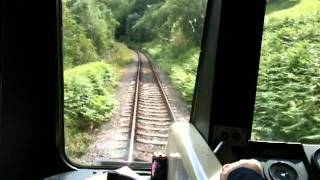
{"points": [[224, 153]]}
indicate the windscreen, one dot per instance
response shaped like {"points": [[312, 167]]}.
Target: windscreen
{"points": [[129, 71]]}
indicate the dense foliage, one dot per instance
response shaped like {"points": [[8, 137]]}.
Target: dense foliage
{"points": [[88, 34], [169, 20], [98, 22], [88, 99], [176, 29], [91, 58], [77, 48], [288, 95]]}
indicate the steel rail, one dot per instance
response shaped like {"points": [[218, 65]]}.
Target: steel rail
{"points": [[134, 111], [167, 103], [136, 104]]}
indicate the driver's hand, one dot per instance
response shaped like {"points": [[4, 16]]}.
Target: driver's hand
{"points": [[247, 163]]}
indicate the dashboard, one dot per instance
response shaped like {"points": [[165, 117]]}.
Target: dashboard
{"points": [[280, 161]]}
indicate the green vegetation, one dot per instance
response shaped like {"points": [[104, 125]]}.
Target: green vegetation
{"points": [[277, 5], [87, 89], [77, 48], [288, 95], [176, 26], [303, 7], [180, 66], [88, 101], [91, 60]]}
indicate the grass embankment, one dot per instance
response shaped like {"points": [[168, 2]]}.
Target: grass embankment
{"points": [[89, 101], [288, 96]]}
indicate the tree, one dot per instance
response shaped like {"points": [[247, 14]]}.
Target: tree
{"points": [[77, 48], [98, 22]]}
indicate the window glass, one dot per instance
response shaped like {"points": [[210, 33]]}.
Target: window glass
{"points": [[108, 116], [287, 104]]}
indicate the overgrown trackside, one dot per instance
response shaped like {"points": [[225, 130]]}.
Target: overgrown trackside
{"points": [[88, 102]]}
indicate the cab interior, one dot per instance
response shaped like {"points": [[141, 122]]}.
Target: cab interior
{"points": [[31, 129]]}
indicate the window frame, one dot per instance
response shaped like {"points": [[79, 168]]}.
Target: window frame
{"points": [[60, 141], [220, 66], [205, 115]]}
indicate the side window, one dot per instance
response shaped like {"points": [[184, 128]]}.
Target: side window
{"points": [[288, 94], [129, 70]]}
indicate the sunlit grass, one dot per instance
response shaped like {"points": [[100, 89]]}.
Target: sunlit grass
{"points": [[304, 7]]}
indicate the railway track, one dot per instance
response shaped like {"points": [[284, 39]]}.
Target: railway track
{"points": [[145, 118]]}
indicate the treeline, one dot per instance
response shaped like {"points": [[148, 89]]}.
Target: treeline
{"points": [[147, 20], [88, 33]]}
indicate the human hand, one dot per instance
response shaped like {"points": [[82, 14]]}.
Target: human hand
{"points": [[247, 163]]}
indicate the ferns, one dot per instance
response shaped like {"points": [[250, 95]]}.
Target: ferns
{"points": [[289, 80]]}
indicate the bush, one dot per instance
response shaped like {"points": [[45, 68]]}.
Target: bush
{"points": [[87, 95], [184, 82], [119, 54], [88, 102]]}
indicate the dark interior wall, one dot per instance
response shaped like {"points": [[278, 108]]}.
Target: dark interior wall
{"points": [[29, 84]]}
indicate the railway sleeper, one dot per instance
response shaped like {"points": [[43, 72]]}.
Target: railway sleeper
{"points": [[149, 93], [161, 123], [145, 149], [143, 110], [146, 96], [155, 105], [152, 138], [152, 149], [158, 101], [161, 129], [154, 115], [152, 134], [151, 141], [152, 107], [154, 118]]}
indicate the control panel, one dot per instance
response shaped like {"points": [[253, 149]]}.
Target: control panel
{"points": [[280, 161]]}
